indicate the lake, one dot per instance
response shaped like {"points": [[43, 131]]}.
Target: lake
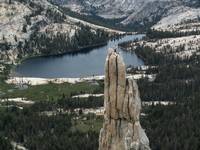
{"points": [[80, 64]]}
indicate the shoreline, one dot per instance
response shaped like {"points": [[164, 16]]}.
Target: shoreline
{"points": [[33, 81], [72, 52], [17, 80], [77, 50], [41, 81], [85, 49]]}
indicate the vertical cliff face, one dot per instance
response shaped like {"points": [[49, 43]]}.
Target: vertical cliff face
{"points": [[121, 129]]}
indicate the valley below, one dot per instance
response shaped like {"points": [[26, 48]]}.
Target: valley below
{"points": [[52, 56]]}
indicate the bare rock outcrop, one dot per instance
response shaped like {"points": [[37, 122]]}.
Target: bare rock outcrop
{"points": [[121, 129]]}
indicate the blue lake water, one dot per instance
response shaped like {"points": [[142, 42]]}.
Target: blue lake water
{"points": [[80, 64]]}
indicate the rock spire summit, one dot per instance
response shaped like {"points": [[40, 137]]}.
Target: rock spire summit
{"points": [[121, 129]]}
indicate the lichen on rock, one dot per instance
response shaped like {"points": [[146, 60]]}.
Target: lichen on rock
{"points": [[121, 129]]}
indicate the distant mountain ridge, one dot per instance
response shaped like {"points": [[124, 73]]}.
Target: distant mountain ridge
{"points": [[133, 12]]}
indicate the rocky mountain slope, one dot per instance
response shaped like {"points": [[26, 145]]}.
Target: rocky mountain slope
{"points": [[181, 18], [136, 13], [37, 27]]}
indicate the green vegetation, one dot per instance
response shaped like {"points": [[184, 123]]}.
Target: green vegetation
{"points": [[5, 144], [37, 131], [54, 43], [52, 91], [91, 123], [29, 125], [50, 44], [177, 79], [174, 126], [4, 87], [155, 34], [33, 128], [49, 91], [55, 16]]}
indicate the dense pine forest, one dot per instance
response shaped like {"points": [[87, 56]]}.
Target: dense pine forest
{"points": [[49, 44], [55, 123], [175, 126], [37, 131]]}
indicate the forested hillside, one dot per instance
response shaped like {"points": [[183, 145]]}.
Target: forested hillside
{"points": [[32, 28], [174, 58]]}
